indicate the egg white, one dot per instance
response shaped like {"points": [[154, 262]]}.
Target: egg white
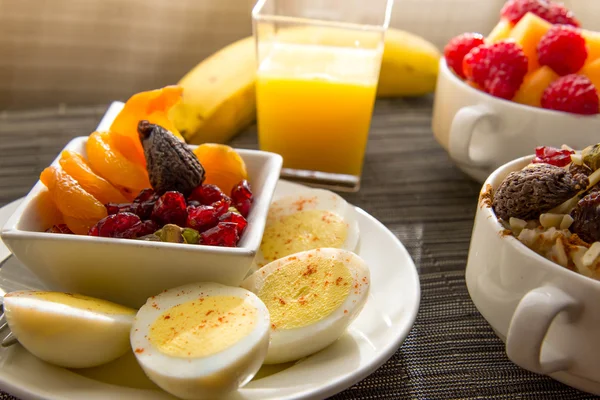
{"points": [[200, 377], [313, 199], [293, 344], [67, 336]]}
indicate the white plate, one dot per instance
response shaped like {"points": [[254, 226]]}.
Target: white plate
{"points": [[370, 340]]}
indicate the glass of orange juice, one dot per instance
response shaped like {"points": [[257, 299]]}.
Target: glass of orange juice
{"points": [[318, 66]]}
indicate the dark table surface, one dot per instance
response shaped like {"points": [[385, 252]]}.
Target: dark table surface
{"points": [[410, 185]]}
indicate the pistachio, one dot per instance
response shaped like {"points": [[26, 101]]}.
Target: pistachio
{"points": [[190, 236], [591, 156], [170, 233], [150, 238]]}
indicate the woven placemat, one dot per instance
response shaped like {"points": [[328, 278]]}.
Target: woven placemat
{"points": [[411, 186]]}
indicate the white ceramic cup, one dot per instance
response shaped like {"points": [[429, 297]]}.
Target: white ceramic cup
{"points": [[482, 132], [548, 316]]}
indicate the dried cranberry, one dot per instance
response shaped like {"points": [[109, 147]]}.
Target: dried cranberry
{"points": [[114, 225], [113, 208], [140, 229], [241, 192], [553, 156], [222, 206], [237, 219], [193, 203], [244, 207], [224, 235], [60, 228], [145, 195], [170, 208], [206, 194], [202, 218]]}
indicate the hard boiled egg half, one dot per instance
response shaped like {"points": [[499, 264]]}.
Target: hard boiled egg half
{"points": [[69, 330], [312, 297], [202, 340], [313, 218]]}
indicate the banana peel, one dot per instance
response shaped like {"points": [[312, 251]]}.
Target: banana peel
{"points": [[219, 93]]}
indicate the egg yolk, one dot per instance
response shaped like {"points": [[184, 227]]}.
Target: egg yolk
{"points": [[78, 301], [301, 231], [305, 291], [202, 327]]}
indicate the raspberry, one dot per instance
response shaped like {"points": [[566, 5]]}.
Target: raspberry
{"points": [[170, 208], [458, 47], [224, 234], [552, 155], [559, 14], [60, 228], [514, 10], [202, 218], [572, 93], [563, 49], [116, 225], [206, 194], [237, 219], [498, 68]]}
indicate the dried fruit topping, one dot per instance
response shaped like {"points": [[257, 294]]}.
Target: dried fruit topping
{"points": [[206, 194], [112, 208], [534, 190], [244, 207], [150, 238], [579, 171], [586, 218], [555, 13], [202, 218], [172, 166], [145, 195], [170, 233], [572, 93], [144, 228], [115, 226], [222, 206], [237, 219], [60, 228], [242, 197], [591, 156], [458, 47], [514, 10], [498, 68], [563, 49], [224, 166], [224, 234], [170, 208], [552, 155]]}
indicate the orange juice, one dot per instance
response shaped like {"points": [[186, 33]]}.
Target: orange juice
{"points": [[315, 104]]}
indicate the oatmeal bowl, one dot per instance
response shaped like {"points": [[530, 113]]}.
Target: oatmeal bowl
{"points": [[533, 269]]}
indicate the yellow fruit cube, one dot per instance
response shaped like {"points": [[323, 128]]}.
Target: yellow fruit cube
{"points": [[528, 32], [592, 71], [530, 92], [500, 32], [592, 40]]}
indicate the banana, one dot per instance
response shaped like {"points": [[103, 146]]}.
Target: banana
{"points": [[219, 93]]}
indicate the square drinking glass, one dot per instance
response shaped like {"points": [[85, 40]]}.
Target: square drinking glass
{"points": [[318, 66]]}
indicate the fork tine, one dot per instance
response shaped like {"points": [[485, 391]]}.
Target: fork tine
{"points": [[9, 340]]}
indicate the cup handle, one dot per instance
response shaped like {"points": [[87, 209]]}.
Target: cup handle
{"points": [[529, 325], [461, 133]]}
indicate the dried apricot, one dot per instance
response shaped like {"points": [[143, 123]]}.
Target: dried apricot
{"points": [[223, 166], [152, 106], [70, 198], [47, 211], [113, 166], [76, 166], [79, 226]]}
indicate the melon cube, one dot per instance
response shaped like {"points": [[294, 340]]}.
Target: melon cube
{"points": [[592, 71], [534, 84], [500, 32], [592, 40], [527, 33]]}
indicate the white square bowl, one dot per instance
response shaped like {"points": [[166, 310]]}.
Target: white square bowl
{"points": [[129, 271]]}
